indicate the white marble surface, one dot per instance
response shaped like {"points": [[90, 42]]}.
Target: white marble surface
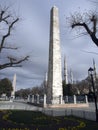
{"points": [[54, 88]]}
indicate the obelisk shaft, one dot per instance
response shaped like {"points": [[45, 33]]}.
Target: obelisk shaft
{"points": [[54, 89], [14, 87]]}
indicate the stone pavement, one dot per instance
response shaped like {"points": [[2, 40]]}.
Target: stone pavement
{"points": [[21, 105], [87, 113]]}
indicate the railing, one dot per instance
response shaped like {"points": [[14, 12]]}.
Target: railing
{"points": [[41, 99]]}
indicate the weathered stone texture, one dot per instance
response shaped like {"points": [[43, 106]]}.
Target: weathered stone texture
{"points": [[54, 89]]}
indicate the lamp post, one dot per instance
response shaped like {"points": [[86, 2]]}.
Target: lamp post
{"points": [[91, 72]]}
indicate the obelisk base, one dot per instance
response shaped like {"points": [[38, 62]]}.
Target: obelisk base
{"points": [[57, 100]]}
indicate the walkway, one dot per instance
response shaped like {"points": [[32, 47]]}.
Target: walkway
{"points": [[22, 105], [19, 105]]}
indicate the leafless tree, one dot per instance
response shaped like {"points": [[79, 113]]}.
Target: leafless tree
{"points": [[7, 23], [85, 21]]}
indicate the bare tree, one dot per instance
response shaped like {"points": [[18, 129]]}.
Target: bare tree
{"points": [[7, 23], [87, 21]]}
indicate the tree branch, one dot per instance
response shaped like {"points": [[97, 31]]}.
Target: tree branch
{"points": [[84, 25], [15, 48], [4, 18], [92, 33], [8, 21], [94, 20], [13, 62], [7, 34]]}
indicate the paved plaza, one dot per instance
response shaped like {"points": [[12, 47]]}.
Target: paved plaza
{"points": [[23, 105], [85, 112], [19, 105]]}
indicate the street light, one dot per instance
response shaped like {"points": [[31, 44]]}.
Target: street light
{"points": [[91, 72]]}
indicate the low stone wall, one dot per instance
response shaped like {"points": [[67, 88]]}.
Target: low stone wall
{"points": [[71, 112], [67, 105], [64, 111]]}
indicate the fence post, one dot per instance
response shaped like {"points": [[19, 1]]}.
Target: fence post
{"points": [[75, 99], [44, 100], [37, 98], [32, 98], [67, 99], [86, 99], [60, 99], [28, 100]]}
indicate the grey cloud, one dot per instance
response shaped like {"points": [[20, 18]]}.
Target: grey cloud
{"points": [[32, 36]]}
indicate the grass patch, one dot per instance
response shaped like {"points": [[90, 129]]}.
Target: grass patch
{"points": [[32, 120]]}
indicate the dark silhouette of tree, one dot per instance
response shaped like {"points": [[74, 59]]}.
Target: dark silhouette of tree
{"points": [[23, 93], [88, 22], [6, 87], [67, 89], [7, 23], [83, 86]]}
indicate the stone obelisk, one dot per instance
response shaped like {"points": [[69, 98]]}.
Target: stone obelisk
{"points": [[14, 87], [54, 86]]}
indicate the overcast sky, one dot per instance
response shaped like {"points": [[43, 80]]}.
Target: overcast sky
{"points": [[31, 35]]}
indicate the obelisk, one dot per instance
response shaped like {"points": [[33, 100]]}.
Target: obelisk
{"points": [[14, 87], [54, 86]]}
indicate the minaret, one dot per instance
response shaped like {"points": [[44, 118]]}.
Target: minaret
{"points": [[71, 76], [14, 86], [45, 83], [54, 88], [94, 67], [46, 77], [65, 71]]}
